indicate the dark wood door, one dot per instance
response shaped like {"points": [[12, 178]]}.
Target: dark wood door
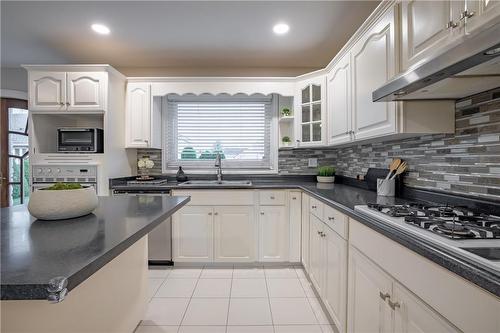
{"points": [[14, 162]]}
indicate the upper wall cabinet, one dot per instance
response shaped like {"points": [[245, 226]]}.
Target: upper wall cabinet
{"points": [[310, 105], [63, 91], [338, 83], [373, 64], [143, 117], [429, 28]]}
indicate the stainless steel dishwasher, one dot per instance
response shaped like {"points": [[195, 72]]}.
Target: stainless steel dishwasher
{"points": [[160, 238]]}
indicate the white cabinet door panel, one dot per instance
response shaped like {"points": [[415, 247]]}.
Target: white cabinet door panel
{"points": [[295, 204], [367, 312], [273, 233], [192, 234], [373, 64], [234, 229], [138, 115], [47, 91], [339, 102], [485, 14], [305, 231], [335, 289], [316, 254], [87, 91]]}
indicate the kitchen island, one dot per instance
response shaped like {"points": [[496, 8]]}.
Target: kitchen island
{"points": [[99, 260]]}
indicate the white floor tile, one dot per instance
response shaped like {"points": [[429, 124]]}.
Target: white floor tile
{"points": [[248, 273], [156, 329], [177, 288], [159, 271], [281, 273], [213, 288], [153, 285], [185, 273], [217, 273], [202, 329], [292, 311], [285, 288], [206, 311], [308, 288], [250, 329], [297, 329], [165, 311], [300, 273], [318, 311], [249, 288], [249, 311]]}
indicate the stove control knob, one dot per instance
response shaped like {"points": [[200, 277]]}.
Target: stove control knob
{"points": [[58, 170], [39, 170], [49, 170]]}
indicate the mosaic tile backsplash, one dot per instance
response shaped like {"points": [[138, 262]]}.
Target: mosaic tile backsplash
{"points": [[467, 162]]}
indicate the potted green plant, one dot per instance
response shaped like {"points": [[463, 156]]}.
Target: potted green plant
{"points": [[286, 141], [62, 201], [285, 112], [326, 174]]}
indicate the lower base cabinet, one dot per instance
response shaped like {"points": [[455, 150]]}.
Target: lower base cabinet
{"points": [[377, 303], [234, 230], [192, 230], [273, 234]]}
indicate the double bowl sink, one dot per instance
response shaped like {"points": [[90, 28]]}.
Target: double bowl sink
{"points": [[215, 183]]}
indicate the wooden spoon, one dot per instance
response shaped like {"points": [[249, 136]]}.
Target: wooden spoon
{"points": [[401, 168], [393, 167]]}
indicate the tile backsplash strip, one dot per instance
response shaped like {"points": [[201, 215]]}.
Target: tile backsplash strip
{"points": [[467, 162]]}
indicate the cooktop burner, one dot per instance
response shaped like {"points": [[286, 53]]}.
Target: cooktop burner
{"points": [[455, 222]]}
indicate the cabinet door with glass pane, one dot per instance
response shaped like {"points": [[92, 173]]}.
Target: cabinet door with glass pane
{"points": [[310, 101]]}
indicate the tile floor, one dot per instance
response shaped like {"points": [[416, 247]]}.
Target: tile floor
{"points": [[232, 300]]}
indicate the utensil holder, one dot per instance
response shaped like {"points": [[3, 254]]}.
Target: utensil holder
{"points": [[386, 188]]}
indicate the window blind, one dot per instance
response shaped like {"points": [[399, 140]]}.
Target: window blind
{"points": [[238, 129]]}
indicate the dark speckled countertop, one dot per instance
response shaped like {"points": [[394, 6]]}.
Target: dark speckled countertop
{"points": [[35, 251], [344, 197]]}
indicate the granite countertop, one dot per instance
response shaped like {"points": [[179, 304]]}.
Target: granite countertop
{"points": [[344, 198], [35, 251]]}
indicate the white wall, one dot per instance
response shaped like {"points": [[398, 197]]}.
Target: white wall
{"points": [[14, 79]]}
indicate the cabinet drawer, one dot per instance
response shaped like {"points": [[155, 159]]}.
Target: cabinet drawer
{"points": [[316, 208], [336, 221], [272, 198], [218, 197]]}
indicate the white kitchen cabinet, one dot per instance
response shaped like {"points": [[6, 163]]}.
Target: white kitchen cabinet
{"points": [[305, 232], [234, 233], [295, 218], [47, 91], [412, 315], [373, 64], [368, 289], [480, 14], [273, 234], [310, 115], [426, 26], [338, 85], [86, 91], [316, 254], [192, 234], [142, 117], [68, 91]]}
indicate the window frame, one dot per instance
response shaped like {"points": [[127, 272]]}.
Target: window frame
{"points": [[208, 167]]}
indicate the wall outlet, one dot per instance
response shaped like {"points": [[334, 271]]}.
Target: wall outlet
{"points": [[312, 163]]}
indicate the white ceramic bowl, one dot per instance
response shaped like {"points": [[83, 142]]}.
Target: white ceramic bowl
{"points": [[62, 204]]}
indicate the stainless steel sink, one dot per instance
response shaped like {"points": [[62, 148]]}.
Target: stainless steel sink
{"points": [[215, 183]]}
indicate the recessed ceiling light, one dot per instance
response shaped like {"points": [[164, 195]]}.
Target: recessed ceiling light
{"points": [[100, 29], [281, 28]]}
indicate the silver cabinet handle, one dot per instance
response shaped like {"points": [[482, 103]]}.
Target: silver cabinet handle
{"points": [[68, 103], [466, 14], [313, 207], [393, 305], [384, 296], [210, 213], [294, 198], [61, 103], [330, 218], [261, 213], [272, 198], [319, 232], [216, 213]]}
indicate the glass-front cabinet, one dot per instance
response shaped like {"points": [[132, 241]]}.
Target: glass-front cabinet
{"points": [[311, 105]]}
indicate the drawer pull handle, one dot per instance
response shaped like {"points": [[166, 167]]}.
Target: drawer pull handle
{"points": [[393, 305], [272, 198], [330, 218], [209, 213], [294, 198], [314, 207], [261, 213], [384, 296], [216, 213]]}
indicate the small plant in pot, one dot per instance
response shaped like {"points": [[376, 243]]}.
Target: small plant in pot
{"points": [[286, 141], [62, 201], [285, 112], [326, 174]]}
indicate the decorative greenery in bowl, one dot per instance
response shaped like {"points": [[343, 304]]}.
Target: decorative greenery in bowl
{"points": [[326, 174], [286, 140], [285, 112]]}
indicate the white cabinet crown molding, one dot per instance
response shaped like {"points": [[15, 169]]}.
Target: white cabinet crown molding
{"points": [[76, 68]]}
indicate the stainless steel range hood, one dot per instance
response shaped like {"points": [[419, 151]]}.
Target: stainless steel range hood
{"points": [[469, 68]]}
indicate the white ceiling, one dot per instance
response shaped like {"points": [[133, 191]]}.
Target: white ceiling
{"points": [[207, 36]]}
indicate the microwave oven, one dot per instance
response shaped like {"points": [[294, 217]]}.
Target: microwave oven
{"points": [[80, 140]]}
